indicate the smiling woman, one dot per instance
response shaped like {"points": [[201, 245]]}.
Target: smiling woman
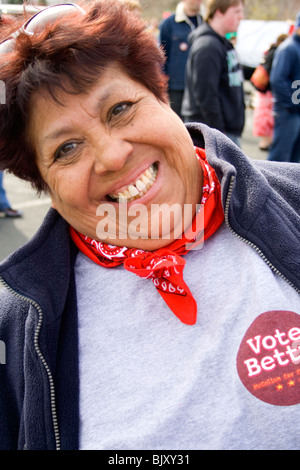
{"points": [[104, 344], [103, 144]]}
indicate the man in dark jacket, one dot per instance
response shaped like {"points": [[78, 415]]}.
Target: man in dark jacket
{"points": [[174, 32], [214, 81], [285, 85]]}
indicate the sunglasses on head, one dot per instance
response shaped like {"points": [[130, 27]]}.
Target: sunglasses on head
{"points": [[38, 21]]}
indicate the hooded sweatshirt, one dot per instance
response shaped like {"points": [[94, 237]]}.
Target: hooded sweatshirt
{"points": [[213, 83]]}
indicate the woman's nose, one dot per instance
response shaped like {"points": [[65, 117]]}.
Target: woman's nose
{"points": [[111, 154]]}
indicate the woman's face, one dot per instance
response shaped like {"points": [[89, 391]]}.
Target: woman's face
{"points": [[116, 160]]}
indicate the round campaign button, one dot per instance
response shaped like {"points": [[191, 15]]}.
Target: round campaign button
{"points": [[268, 360], [183, 46]]}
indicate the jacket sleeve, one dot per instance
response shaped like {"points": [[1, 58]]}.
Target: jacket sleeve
{"points": [[206, 73], [281, 81]]}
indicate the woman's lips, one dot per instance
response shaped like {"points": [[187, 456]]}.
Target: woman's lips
{"points": [[138, 188]]}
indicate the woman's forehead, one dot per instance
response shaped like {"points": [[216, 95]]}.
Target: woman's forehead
{"points": [[53, 118], [111, 79]]}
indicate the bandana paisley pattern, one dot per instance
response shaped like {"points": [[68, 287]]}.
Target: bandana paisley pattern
{"points": [[165, 266]]}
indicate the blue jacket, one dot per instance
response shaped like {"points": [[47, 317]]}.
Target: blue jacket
{"points": [[285, 74], [174, 31], [39, 396]]}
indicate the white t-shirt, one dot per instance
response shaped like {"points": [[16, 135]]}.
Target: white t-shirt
{"points": [[231, 381]]}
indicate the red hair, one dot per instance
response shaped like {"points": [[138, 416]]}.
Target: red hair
{"points": [[70, 55]]}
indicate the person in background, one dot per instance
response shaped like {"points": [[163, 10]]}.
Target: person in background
{"points": [[213, 91], [285, 85], [5, 206], [263, 119], [173, 35]]}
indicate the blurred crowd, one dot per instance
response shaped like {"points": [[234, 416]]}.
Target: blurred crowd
{"points": [[206, 79]]}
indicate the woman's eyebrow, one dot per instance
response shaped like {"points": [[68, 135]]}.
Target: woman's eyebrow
{"points": [[98, 102], [56, 134]]}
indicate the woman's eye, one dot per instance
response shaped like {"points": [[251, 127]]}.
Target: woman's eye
{"points": [[66, 149], [120, 108]]}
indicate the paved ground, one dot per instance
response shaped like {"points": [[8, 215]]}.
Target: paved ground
{"points": [[15, 232]]}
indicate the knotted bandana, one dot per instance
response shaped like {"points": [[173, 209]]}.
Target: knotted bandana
{"points": [[165, 265]]}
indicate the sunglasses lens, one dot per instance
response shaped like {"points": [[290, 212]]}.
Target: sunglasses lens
{"points": [[6, 46], [37, 22], [48, 15]]}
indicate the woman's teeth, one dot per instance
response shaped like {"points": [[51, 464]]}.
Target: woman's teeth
{"points": [[137, 189]]}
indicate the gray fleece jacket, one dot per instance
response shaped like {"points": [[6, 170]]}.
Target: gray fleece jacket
{"points": [[39, 404]]}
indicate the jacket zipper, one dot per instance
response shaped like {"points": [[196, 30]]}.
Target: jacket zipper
{"points": [[41, 357], [258, 250]]}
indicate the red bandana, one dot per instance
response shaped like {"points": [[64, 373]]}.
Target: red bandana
{"points": [[165, 265]]}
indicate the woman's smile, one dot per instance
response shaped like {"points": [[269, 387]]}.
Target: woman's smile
{"points": [[137, 188]]}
